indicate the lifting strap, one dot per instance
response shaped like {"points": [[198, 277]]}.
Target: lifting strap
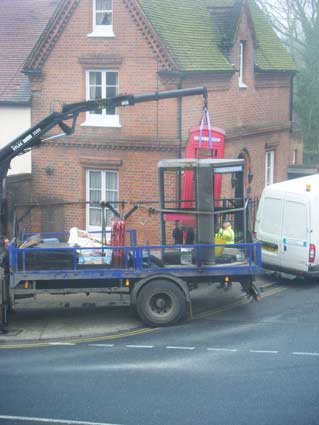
{"points": [[205, 120]]}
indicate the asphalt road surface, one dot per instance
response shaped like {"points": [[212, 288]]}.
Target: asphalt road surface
{"points": [[245, 364]]}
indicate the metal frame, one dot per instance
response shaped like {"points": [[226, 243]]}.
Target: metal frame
{"points": [[135, 270], [203, 169]]}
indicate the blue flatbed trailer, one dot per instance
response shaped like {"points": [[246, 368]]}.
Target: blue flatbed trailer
{"points": [[159, 287]]}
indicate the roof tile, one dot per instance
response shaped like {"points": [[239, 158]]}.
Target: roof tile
{"points": [[270, 54], [21, 23], [186, 27], [193, 37]]}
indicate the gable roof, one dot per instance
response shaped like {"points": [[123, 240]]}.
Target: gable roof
{"points": [[225, 21], [50, 35], [21, 23], [195, 33], [194, 37], [186, 28]]}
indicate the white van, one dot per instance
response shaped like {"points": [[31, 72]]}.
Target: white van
{"points": [[287, 225]]}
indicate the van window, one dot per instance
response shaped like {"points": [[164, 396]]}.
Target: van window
{"points": [[271, 217], [295, 221]]}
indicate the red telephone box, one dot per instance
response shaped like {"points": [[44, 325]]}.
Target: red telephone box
{"points": [[197, 148], [201, 144]]}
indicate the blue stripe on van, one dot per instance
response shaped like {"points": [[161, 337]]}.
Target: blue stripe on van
{"points": [[294, 242]]}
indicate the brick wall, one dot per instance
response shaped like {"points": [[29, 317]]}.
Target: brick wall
{"points": [[255, 118], [19, 192]]}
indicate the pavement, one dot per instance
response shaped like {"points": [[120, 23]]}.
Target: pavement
{"points": [[79, 316]]}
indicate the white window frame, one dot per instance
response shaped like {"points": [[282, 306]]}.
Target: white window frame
{"points": [[269, 167], [101, 30], [242, 49], [100, 120], [91, 228]]}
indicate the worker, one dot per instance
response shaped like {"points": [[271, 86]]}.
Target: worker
{"points": [[226, 233], [189, 235], [178, 234]]}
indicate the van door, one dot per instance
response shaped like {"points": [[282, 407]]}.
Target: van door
{"points": [[296, 233], [269, 229]]}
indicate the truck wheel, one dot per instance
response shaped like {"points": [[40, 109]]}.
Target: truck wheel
{"points": [[161, 303]]}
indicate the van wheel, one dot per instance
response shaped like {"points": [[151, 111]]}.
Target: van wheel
{"points": [[161, 303], [308, 280]]}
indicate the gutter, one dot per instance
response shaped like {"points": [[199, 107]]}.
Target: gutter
{"points": [[185, 74], [180, 120], [275, 71], [291, 102], [32, 72], [15, 103]]}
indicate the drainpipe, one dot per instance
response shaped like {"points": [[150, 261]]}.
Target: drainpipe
{"points": [[179, 120], [180, 139], [291, 101]]}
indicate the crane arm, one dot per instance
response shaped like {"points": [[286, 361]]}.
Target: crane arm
{"points": [[34, 135], [66, 120]]}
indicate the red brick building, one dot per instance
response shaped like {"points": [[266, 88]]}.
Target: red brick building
{"points": [[21, 24], [94, 48]]}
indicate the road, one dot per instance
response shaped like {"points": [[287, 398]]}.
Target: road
{"points": [[254, 363]]}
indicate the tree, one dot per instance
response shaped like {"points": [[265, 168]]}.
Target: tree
{"points": [[297, 23]]}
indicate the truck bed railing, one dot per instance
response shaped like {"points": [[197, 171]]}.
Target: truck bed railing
{"points": [[134, 258]]}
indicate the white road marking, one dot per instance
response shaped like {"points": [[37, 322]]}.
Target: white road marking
{"points": [[51, 421], [232, 350], [61, 343], [172, 347], [101, 345], [296, 353], [140, 346]]}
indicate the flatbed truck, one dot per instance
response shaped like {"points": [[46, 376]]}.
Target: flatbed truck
{"points": [[157, 277]]}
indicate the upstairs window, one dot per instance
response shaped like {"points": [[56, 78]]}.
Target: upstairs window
{"points": [[102, 84], [103, 13], [242, 51], [102, 18]]}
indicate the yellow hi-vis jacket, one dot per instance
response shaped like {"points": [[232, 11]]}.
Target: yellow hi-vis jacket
{"points": [[227, 235]]}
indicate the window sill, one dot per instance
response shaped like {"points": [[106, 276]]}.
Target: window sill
{"points": [[107, 33], [242, 85], [101, 123]]}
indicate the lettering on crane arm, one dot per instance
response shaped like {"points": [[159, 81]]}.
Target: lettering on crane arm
{"points": [[26, 139], [125, 103]]}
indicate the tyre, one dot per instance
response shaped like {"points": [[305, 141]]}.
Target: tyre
{"points": [[161, 303]]}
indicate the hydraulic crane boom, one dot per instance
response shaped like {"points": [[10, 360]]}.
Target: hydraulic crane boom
{"points": [[34, 136]]}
